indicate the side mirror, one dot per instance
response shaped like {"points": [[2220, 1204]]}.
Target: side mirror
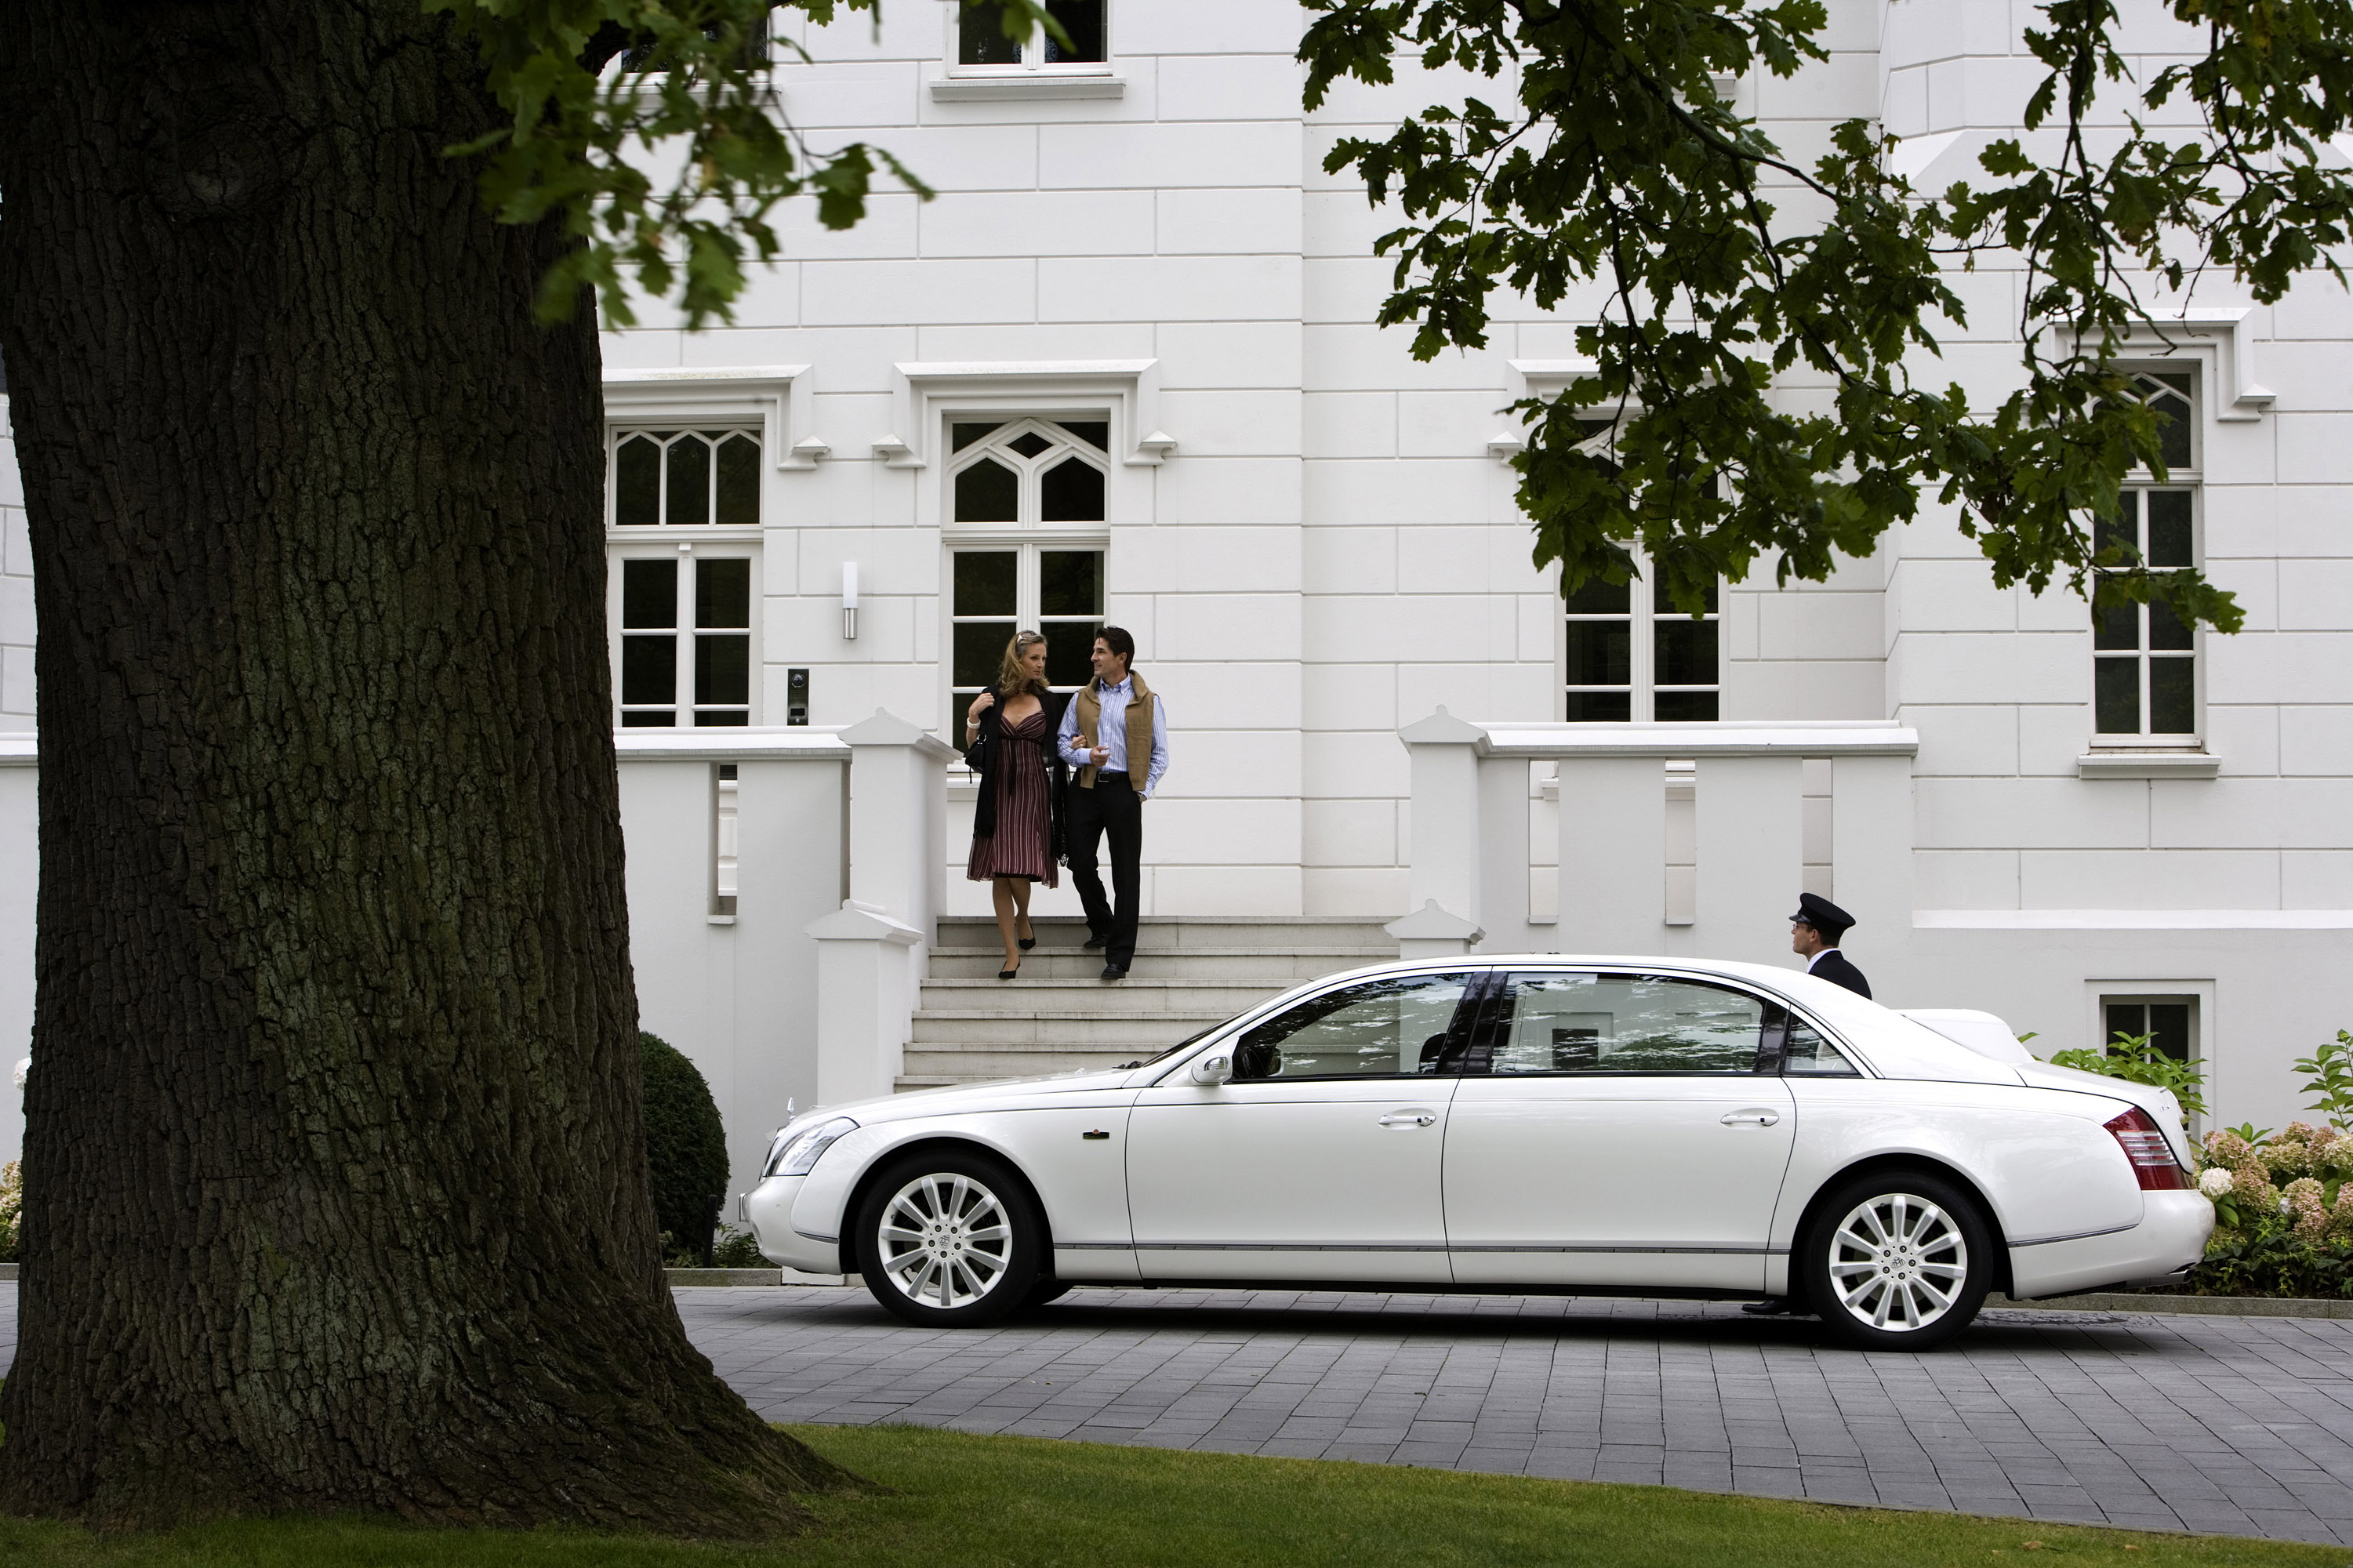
{"points": [[1216, 1067]]}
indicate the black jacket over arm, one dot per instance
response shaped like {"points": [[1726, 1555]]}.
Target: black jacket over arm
{"points": [[1835, 969], [984, 810]]}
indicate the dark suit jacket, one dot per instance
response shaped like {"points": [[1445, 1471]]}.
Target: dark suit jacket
{"points": [[1835, 969]]}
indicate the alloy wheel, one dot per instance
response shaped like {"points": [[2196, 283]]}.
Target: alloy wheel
{"points": [[1898, 1262], [944, 1241]]}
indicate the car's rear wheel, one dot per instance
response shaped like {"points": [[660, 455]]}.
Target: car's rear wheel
{"points": [[948, 1239], [1898, 1260]]}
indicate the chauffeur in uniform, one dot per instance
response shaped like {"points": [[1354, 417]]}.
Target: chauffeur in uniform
{"points": [[1814, 933]]}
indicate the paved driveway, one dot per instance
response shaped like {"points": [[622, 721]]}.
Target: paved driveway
{"points": [[2242, 1426]]}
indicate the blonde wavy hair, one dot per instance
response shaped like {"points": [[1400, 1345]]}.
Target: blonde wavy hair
{"points": [[1010, 677]]}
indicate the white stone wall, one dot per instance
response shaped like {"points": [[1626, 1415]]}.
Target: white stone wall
{"points": [[16, 590], [1998, 681]]}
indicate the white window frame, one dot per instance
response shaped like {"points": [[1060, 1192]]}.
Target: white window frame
{"points": [[689, 557], [1027, 536], [1643, 616], [2142, 483], [1032, 77], [774, 401]]}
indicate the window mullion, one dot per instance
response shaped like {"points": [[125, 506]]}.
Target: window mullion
{"points": [[686, 634], [1642, 635]]}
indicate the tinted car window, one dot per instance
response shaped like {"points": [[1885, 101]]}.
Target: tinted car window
{"points": [[1809, 1054], [1573, 1022], [1383, 1026]]}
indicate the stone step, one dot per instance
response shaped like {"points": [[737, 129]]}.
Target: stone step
{"points": [[1188, 933], [979, 1064], [1279, 968], [1090, 995], [964, 1028]]}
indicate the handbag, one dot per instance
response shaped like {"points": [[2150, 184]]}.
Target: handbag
{"points": [[983, 749]]}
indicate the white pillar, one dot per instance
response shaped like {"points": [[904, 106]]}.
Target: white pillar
{"points": [[862, 1013], [1752, 855], [1613, 855], [1446, 852], [20, 876]]}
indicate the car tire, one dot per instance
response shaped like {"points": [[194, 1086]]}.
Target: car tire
{"points": [[1897, 1260], [1043, 1291], [948, 1239]]}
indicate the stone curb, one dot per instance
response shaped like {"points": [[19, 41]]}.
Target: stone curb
{"points": [[2189, 1306], [771, 1277]]}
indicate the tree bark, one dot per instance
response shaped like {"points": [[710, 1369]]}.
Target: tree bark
{"points": [[337, 1191]]}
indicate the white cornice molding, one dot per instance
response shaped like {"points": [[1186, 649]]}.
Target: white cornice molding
{"points": [[1128, 389], [1533, 378], [2221, 337], [778, 396]]}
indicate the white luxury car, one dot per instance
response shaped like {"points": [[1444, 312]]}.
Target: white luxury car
{"points": [[1587, 1125]]}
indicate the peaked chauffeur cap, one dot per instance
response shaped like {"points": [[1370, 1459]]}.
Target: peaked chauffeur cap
{"points": [[1824, 916]]}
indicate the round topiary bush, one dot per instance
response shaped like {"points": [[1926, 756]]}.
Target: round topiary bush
{"points": [[686, 1145]]}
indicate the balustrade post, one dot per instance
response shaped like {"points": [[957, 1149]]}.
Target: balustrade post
{"points": [[1443, 879]]}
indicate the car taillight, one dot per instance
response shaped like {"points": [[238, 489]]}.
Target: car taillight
{"points": [[2152, 1158]]}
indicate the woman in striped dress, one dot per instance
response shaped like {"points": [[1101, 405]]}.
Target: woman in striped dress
{"points": [[1017, 820]]}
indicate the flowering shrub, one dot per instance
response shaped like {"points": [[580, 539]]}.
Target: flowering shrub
{"points": [[12, 1208], [2283, 1211]]}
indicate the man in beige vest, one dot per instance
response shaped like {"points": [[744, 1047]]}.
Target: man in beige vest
{"points": [[1115, 732]]}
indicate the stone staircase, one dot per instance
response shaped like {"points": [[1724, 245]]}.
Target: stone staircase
{"points": [[1189, 973]]}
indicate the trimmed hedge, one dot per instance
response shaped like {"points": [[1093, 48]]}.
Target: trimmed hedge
{"points": [[686, 1145]]}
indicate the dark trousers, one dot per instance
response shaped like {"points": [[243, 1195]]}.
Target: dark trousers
{"points": [[1109, 809]]}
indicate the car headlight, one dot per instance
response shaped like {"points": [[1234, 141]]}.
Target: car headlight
{"points": [[797, 1155]]}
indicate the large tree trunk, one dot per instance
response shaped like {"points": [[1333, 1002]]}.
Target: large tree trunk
{"points": [[337, 1191]]}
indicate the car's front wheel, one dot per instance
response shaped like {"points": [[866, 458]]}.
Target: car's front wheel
{"points": [[1900, 1260], [948, 1240]]}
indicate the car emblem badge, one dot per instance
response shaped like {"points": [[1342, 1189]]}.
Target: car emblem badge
{"points": [[1098, 1132]]}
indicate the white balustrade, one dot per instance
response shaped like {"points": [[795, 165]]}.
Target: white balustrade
{"points": [[1469, 879]]}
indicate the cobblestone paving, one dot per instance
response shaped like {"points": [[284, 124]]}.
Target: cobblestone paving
{"points": [[2238, 1426]]}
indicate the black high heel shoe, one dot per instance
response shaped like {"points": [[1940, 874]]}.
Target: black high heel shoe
{"points": [[1026, 942], [1008, 973]]}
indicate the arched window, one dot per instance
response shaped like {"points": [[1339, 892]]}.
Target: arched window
{"points": [[1025, 547]]}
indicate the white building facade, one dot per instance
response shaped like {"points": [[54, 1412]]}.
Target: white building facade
{"points": [[1122, 368]]}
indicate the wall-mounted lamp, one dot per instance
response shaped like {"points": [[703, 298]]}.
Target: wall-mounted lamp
{"points": [[850, 600]]}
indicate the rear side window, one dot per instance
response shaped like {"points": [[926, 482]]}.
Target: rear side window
{"points": [[1807, 1055], [1564, 1021]]}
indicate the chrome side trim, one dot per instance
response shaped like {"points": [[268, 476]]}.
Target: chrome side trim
{"points": [[1627, 1246], [1292, 1245], [1094, 1246], [2077, 1236], [812, 1236]]}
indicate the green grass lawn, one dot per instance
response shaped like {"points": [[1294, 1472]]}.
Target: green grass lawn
{"points": [[956, 1501]]}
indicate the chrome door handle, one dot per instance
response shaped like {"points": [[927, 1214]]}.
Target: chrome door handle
{"points": [[1751, 1118], [1409, 1119]]}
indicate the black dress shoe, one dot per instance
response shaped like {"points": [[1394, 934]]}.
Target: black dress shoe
{"points": [[1094, 942], [1114, 972]]}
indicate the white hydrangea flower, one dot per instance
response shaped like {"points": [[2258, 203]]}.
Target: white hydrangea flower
{"points": [[22, 1068], [2216, 1182]]}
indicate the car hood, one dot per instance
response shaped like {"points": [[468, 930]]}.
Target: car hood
{"points": [[955, 1097]]}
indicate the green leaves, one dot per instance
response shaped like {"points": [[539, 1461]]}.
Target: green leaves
{"points": [[1754, 325], [2134, 1058], [2331, 1083], [602, 91]]}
